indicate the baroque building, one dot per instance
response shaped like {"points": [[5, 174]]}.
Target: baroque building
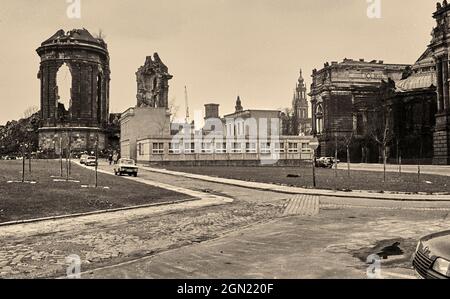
{"points": [[345, 97], [439, 48], [74, 118], [301, 120], [411, 103]]}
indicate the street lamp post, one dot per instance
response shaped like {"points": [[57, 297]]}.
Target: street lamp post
{"points": [[314, 145], [23, 163], [96, 161]]}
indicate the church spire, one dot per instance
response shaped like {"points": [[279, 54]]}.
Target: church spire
{"points": [[239, 107]]}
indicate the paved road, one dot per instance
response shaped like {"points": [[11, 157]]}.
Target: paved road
{"points": [[332, 245]]}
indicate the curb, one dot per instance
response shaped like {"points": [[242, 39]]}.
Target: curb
{"points": [[296, 190], [77, 215]]}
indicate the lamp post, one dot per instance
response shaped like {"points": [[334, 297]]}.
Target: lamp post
{"points": [[96, 161], [30, 131], [23, 163], [314, 145]]}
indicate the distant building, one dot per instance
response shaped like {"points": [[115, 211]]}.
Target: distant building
{"points": [[143, 123], [411, 104], [344, 98], [245, 137], [301, 120]]}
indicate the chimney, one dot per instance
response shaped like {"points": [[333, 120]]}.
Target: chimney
{"points": [[212, 111]]}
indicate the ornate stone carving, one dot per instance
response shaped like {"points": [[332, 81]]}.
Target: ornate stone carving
{"points": [[153, 83]]}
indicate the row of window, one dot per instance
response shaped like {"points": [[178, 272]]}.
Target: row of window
{"points": [[222, 148]]}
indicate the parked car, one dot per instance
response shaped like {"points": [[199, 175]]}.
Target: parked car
{"points": [[126, 166], [91, 161], [432, 256], [83, 159], [325, 162]]}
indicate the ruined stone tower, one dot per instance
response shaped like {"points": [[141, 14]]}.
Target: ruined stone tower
{"points": [[153, 83], [440, 49], [76, 113]]}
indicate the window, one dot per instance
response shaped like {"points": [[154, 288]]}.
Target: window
{"points": [[306, 148], [207, 148], [250, 148], [189, 148], [279, 148], [158, 148], [236, 148], [293, 148], [265, 148], [319, 121], [141, 149], [174, 148], [221, 148]]}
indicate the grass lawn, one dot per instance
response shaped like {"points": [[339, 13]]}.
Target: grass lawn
{"points": [[359, 180], [49, 198]]}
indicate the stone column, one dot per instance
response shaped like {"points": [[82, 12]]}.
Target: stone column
{"points": [[445, 83], [440, 95]]}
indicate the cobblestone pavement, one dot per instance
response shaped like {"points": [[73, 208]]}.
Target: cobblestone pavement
{"points": [[302, 205], [334, 244]]}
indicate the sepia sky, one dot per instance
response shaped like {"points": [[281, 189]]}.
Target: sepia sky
{"points": [[218, 48]]}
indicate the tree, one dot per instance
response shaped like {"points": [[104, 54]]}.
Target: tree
{"points": [[380, 128], [30, 111]]}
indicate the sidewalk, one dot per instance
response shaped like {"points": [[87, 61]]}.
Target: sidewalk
{"points": [[443, 170], [296, 190]]}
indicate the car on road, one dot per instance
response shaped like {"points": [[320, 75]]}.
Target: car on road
{"points": [[91, 161], [325, 162], [432, 256], [126, 167], [83, 159]]}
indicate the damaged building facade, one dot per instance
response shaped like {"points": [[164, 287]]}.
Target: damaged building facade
{"points": [[344, 98], [75, 76], [409, 103]]}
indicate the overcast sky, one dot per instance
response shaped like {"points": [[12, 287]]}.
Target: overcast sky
{"points": [[217, 48]]}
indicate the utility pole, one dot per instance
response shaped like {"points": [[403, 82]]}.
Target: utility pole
{"points": [[29, 158], [60, 155], [96, 162], [23, 163]]}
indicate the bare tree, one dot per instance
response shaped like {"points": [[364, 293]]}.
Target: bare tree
{"points": [[30, 111], [347, 141], [383, 136]]}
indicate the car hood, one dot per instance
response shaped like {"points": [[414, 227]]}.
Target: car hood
{"points": [[437, 245]]}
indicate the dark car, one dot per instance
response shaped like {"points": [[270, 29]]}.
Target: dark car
{"points": [[432, 256], [325, 162]]}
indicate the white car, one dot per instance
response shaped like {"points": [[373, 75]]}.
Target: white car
{"points": [[126, 166], [83, 159], [91, 161]]}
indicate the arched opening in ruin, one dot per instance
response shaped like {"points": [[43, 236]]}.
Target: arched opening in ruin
{"points": [[99, 96], [64, 87]]}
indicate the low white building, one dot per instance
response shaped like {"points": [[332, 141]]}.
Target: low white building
{"points": [[246, 137]]}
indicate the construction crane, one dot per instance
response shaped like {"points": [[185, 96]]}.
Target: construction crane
{"points": [[186, 103]]}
